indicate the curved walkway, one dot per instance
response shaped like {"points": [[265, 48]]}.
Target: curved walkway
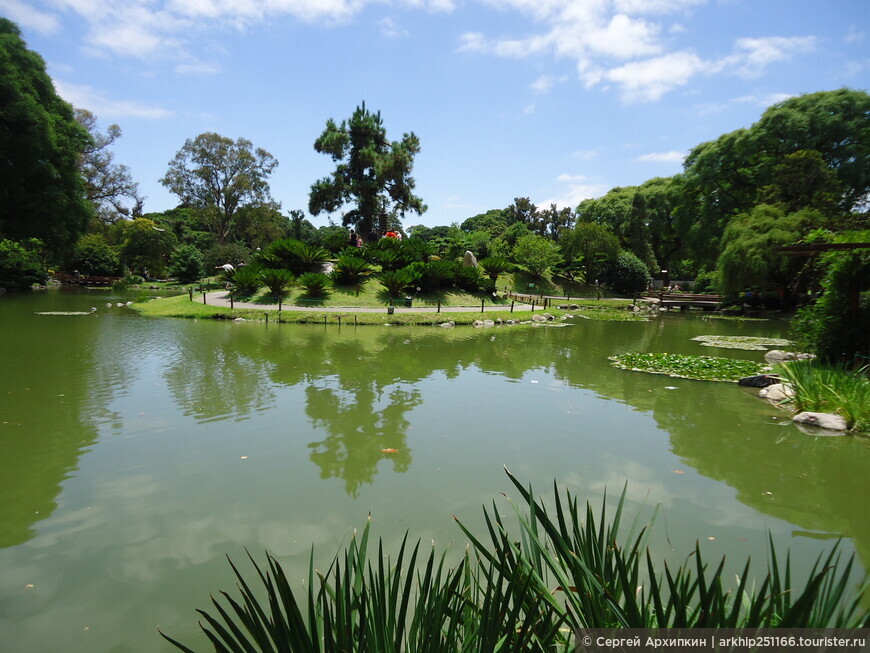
{"points": [[221, 298]]}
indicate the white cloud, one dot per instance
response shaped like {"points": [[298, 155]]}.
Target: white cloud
{"points": [[530, 109], [543, 84], [584, 154], [472, 42], [854, 35], [754, 55], [575, 191], [196, 68], [652, 78], [29, 17], [85, 97], [662, 157], [390, 28]]}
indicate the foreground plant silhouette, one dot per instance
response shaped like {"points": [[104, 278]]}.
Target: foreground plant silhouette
{"points": [[564, 573]]}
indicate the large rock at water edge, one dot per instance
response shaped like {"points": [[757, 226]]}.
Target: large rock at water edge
{"points": [[822, 420], [760, 381], [776, 392]]}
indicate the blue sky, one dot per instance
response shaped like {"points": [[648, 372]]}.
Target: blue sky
{"points": [[555, 100]]}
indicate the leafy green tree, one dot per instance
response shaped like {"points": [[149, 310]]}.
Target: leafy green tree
{"points": [[42, 193], [301, 228], [837, 326], [536, 253], [628, 274], [749, 257], [493, 222], [143, 244], [595, 244], [331, 238], [21, 264], [109, 186], [185, 264], [94, 256], [259, 224], [372, 174], [218, 177]]}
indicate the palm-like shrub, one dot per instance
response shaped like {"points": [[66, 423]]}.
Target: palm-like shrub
{"points": [[351, 271], [531, 590], [434, 275], [294, 255], [493, 266], [395, 282], [277, 281], [246, 279], [389, 259], [315, 284]]}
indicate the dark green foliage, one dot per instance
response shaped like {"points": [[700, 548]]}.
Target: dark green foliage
{"points": [[371, 173], [595, 244], [530, 590], [315, 284], [837, 326], [332, 238], [493, 266], [232, 253], [246, 280], [185, 264], [351, 270], [42, 193], [294, 255], [277, 281], [628, 274], [434, 275], [706, 282], [21, 265], [94, 256], [143, 244], [395, 282]]}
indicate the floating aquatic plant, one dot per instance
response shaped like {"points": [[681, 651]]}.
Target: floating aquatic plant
{"points": [[751, 343], [701, 368]]}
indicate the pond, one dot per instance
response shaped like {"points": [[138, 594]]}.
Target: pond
{"points": [[137, 453]]}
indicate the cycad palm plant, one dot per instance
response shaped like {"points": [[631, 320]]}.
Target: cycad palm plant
{"points": [[495, 265], [351, 270], [246, 280], [315, 284], [277, 281], [395, 282]]}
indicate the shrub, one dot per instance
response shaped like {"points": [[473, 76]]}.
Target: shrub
{"points": [[294, 255], [434, 275], [706, 282], [232, 253], [351, 270], [536, 253], [628, 274], [20, 264], [395, 282], [315, 284], [277, 281], [246, 279], [185, 264], [493, 266], [94, 256]]}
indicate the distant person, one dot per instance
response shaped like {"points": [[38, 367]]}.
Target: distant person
{"points": [[390, 234], [353, 239]]}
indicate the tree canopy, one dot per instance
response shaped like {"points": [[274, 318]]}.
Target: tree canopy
{"points": [[42, 193], [218, 176], [372, 174]]}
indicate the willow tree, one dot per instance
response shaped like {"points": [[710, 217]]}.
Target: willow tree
{"points": [[372, 175]]}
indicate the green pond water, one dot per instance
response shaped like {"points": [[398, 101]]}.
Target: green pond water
{"points": [[135, 453]]}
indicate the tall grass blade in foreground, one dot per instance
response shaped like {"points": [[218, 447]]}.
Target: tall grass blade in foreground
{"points": [[523, 589]]}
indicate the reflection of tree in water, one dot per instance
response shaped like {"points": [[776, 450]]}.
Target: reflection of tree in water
{"points": [[361, 423], [221, 377]]}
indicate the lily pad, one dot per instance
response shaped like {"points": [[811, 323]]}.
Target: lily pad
{"points": [[750, 343], [701, 368]]}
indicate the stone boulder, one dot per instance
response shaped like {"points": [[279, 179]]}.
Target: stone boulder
{"points": [[447, 325], [760, 381], [538, 318], [776, 392], [469, 260], [488, 323], [477, 323], [822, 420]]}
